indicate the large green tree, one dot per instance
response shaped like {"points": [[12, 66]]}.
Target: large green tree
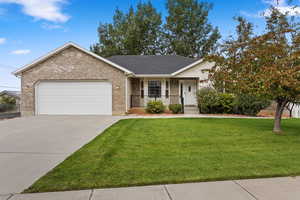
{"points": [[137, 32], [188, 31], [264, 65]]}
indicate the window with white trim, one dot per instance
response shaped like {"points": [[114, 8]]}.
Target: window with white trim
{"points": [[154, 88]]}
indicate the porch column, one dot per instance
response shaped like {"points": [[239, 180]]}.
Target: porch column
{"points": [[145, 100], [174, 91], [135, 92]]}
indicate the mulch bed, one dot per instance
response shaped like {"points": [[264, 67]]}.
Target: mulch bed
{"points": [[142, 112]]}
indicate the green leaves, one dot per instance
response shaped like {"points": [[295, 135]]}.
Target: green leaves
{"points": [[188, 32], [155, 107], [265, 65], [4, 99], [137, 32], [140, 31]]}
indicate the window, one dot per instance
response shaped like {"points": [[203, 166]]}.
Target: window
{"points": [[142, 89], [154, 88], [167, 89]]}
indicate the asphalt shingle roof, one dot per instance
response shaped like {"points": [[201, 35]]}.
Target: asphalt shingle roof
{"points": [[152, 64]]}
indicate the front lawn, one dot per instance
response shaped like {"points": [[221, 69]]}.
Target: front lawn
{"points": [[153, 151]]}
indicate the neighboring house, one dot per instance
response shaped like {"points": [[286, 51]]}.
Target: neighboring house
{"points": [[72, 80], [296, 111], [270, 111], [13, 94]]}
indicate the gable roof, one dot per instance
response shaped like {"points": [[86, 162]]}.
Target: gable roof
{"points": [[153, 65], [15, 94], [65, 46], [156, 65]]}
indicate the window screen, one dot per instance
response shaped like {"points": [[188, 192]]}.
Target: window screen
{"points": [[154, 88]]}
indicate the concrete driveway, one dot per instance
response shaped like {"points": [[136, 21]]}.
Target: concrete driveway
{"points": [[31, 146]]}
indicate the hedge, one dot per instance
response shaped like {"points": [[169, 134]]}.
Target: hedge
{"points": [[212, 102]]}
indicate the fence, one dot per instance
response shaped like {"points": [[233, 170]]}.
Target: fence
{"points": [[141, 101]]}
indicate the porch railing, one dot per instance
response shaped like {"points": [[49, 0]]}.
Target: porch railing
{"points": [[141, 101]]}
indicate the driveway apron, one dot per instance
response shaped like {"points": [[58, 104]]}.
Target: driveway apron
{"points": [[31, 146]]}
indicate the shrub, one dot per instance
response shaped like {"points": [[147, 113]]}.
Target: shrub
{"points": [[207, 99], [175, 108], [210, 101], [6, 107], [249, 105], [155, 107], [7, 100], [226, 102], [7, 103]]}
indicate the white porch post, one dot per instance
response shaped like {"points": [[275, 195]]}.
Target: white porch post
{"points": [[163, 91], [145, 91]]}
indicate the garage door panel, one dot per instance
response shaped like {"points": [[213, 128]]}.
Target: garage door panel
{"points": [[75, 98]]}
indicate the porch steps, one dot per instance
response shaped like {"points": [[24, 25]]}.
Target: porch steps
{"points": [[191, 110]]}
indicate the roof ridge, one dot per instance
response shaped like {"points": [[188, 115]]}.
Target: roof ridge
{"points": [[153, 64], [153, 56]]}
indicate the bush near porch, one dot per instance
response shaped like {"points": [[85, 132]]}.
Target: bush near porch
{"points": [[175, 108], [212, 102], [155, 107]]}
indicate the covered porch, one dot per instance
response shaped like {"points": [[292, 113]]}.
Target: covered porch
{"points": [[168, 90]]}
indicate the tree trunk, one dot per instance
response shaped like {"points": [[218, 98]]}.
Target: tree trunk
{"points": [[291, 110], [278, 115]]}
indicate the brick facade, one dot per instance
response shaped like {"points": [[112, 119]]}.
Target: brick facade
{"points": [[72, 64]]}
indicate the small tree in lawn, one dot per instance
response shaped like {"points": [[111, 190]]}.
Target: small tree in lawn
{"points": [[266, 65]]}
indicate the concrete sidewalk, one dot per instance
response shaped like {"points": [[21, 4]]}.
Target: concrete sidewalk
{"points": [[287, 188]]}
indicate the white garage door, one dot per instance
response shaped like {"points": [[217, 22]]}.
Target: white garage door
{"points": [[74, 98]]}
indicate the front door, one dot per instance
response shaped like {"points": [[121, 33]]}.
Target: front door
{"points": [[189, 89]]}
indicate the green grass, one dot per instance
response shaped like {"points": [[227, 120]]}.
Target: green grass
{"points": [[154, 151]]}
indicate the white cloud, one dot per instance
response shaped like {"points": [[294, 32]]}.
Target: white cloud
{"points": [[49, 10], [281, 5], [2, 40], [21, 52], [51, 26], [287, 10], [275, 2]]}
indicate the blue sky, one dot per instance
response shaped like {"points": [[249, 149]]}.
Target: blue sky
{"points": [[31, 28]]}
